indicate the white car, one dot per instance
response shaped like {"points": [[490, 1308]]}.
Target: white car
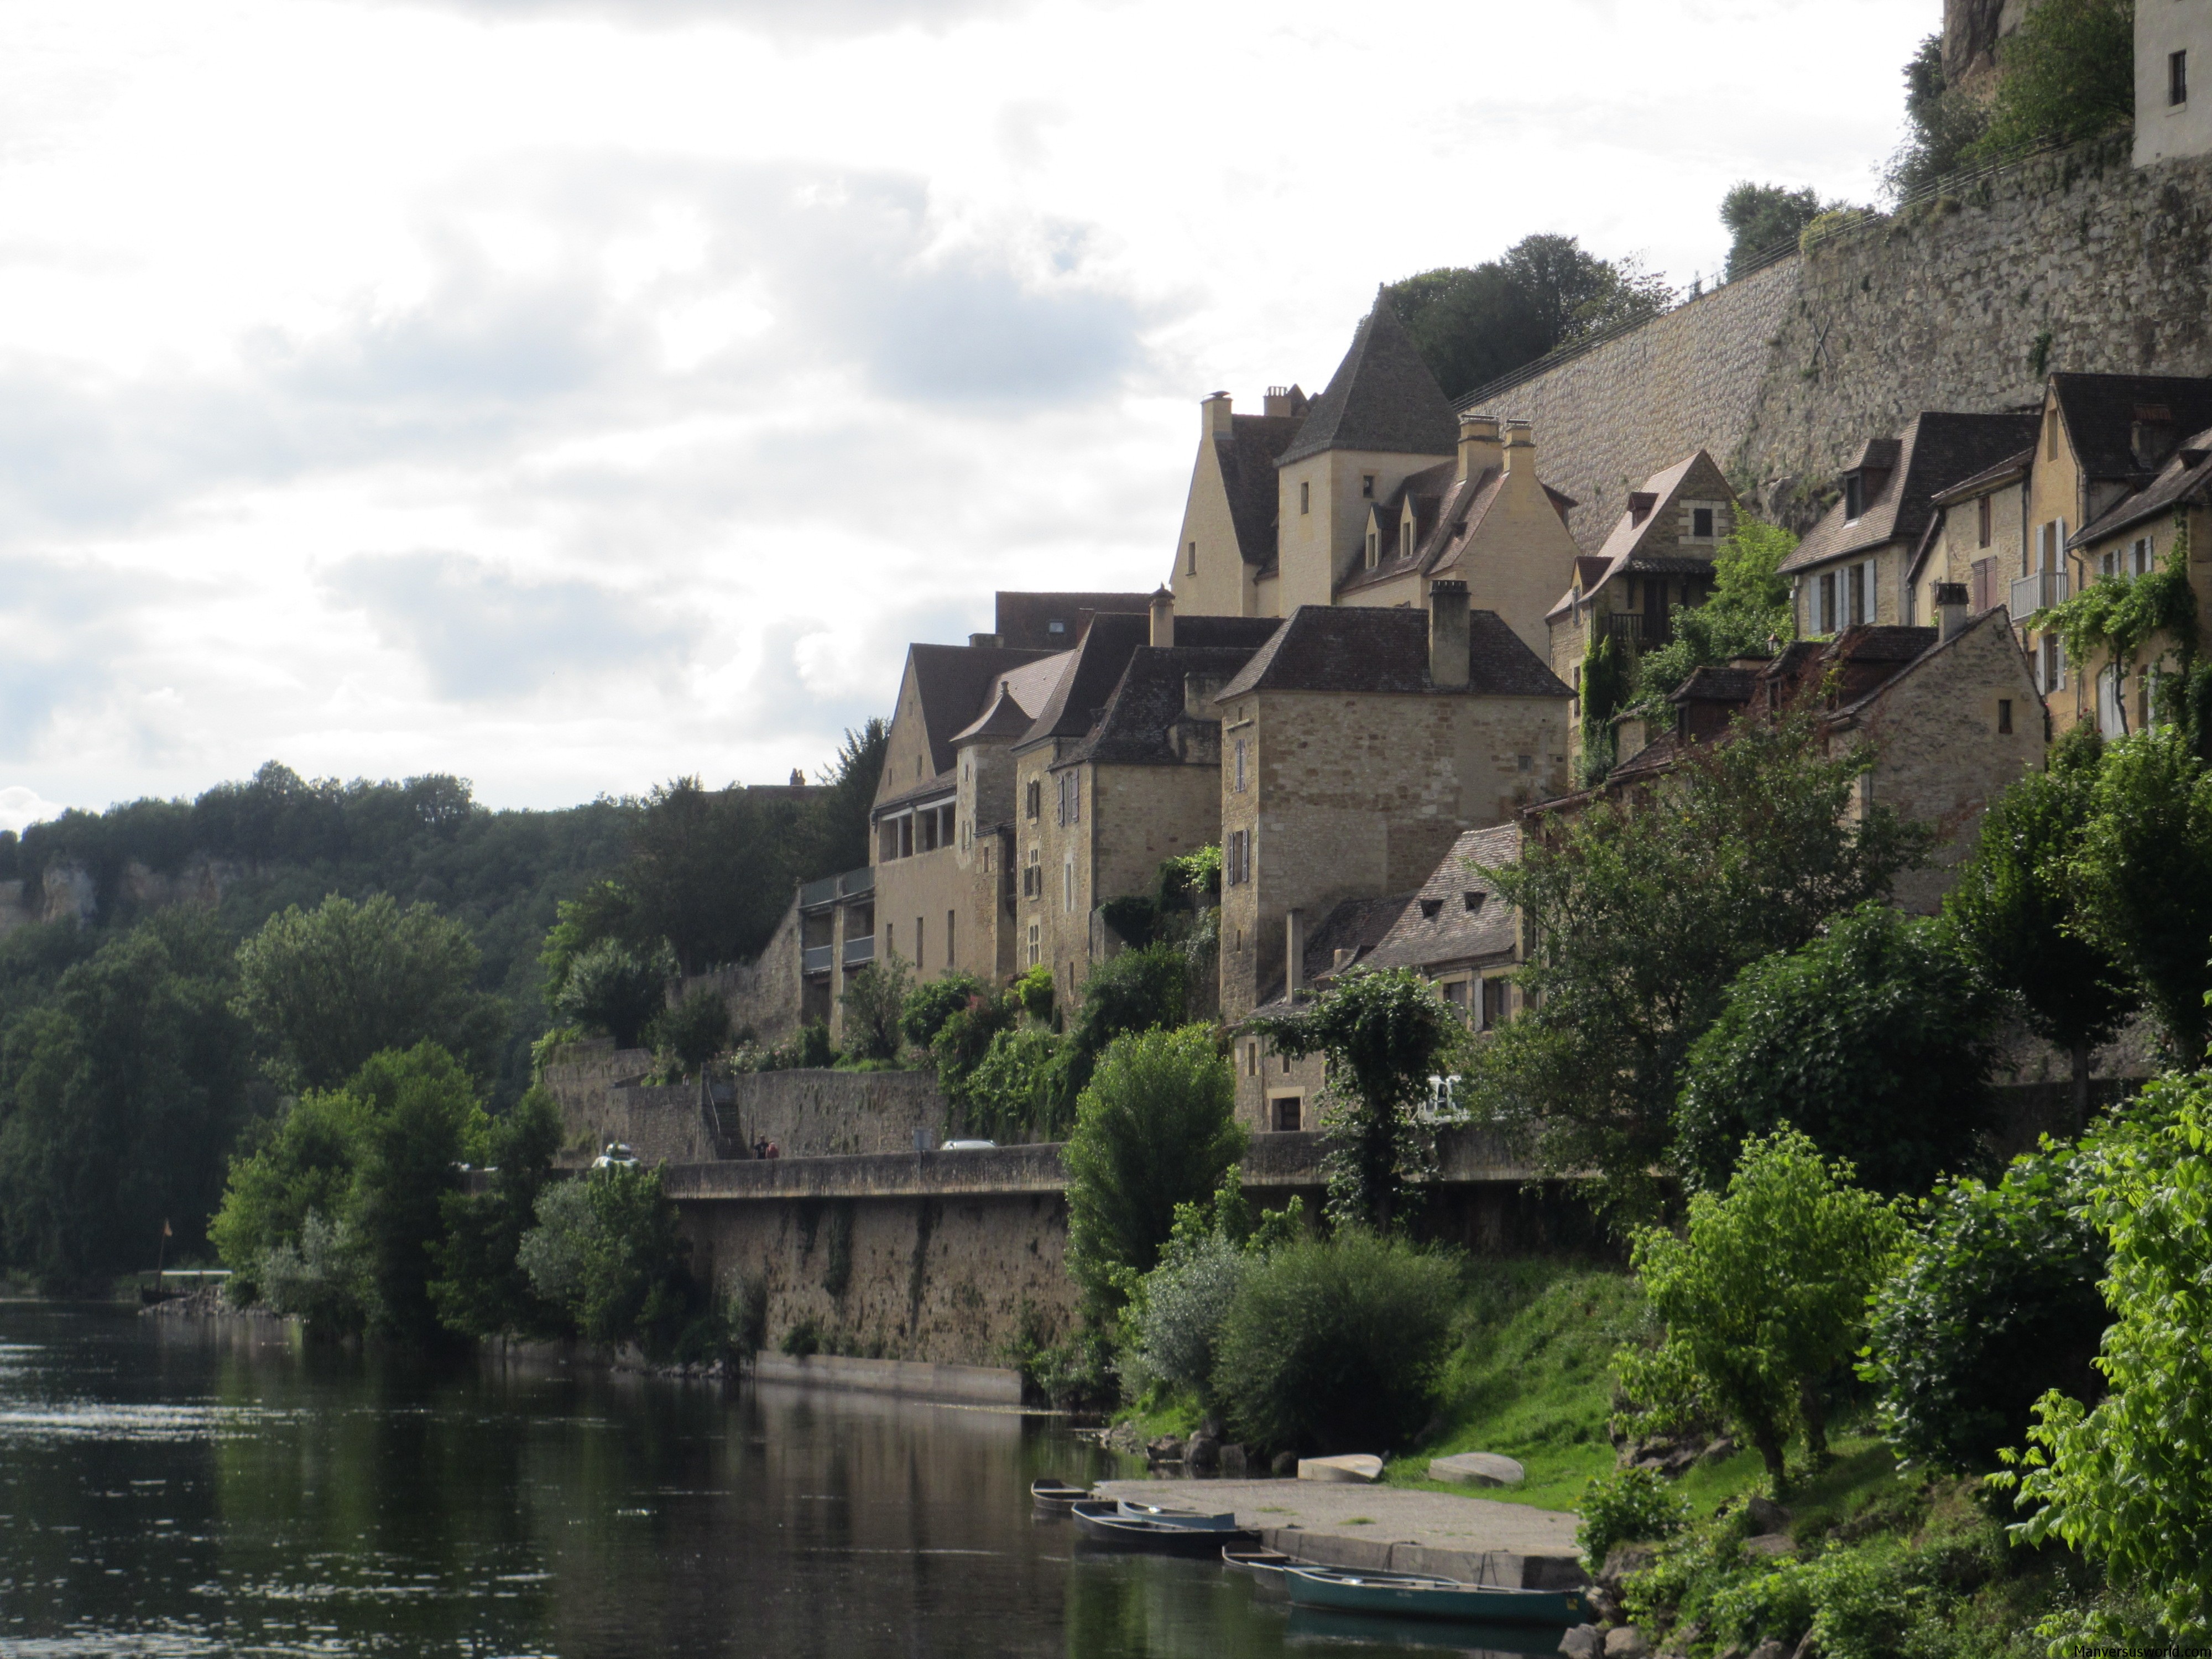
{"points": [[969, 1146], [617, 1156]]}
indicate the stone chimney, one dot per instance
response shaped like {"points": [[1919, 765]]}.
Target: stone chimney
{"points": [[1283, 400], [1447, 646], [1162, 616], [1521, 448], [1199, 691], [1294, 952], [1954, 608], [1214, 416], [1478, 445]]}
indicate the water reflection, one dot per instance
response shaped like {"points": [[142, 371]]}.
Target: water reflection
{"points": [[169, 1488]]}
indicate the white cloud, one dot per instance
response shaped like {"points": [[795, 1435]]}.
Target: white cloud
{"points": [[21, 807], [715, 350]]}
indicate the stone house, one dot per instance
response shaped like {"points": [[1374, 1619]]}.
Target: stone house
{"points": [[1853, 567], [1226, 547], [1976, 538], [2135, 535], [1357, 745], [2173, 48], [1657, 559]]}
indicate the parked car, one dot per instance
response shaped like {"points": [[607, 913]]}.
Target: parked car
{"points": [[617, 1156], [967, 1147]]}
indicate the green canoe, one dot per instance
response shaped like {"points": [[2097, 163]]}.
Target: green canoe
{"points": [[1414, 1596]]}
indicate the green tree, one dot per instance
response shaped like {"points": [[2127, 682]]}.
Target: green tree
{"points": [[1380, 1035], [600, 912], [1338, 1345], [1943, 124], [695, 1029], [1994, 1304], [2144, 875], [1762, 216], [303, 1166], [613, 988], [1135, 990], [1763, 1297], [875, 1007], [421, 1121], [2128, 1482], [934, 1002], [1157, 1128], [1746, 615], [120, 1093], [1011, 1092], [2016, 911], [1472, 325], [1875, 1040], [1642, 915], [606, 1251], [480, 1288], [327, 988], [2066, 74], [840, 832]]}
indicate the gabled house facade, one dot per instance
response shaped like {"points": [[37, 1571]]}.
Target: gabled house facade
{"points": [[1225, 562]]}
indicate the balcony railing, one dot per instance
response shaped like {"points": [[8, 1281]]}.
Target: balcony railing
{"points": [[2037, 590], [818, 958], [860, 951], [1632, 631], [814, 893]]}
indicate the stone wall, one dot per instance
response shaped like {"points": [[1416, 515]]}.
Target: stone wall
{"points": [[2075, 261]]}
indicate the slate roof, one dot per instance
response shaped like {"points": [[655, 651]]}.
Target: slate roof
{"points": [[1247, 455], [1382, 398], [1081, 692], [1448, 511], [1356, 648], [1148, 700], [1024, 620], [1356, 925], [2186, 477], [2100, 411], [1621, 552], [1458, 915], [953, 681], [1935, 451], [1981, 484]]}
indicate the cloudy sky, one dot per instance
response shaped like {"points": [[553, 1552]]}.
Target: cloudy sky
{"points": [[572, 393]]}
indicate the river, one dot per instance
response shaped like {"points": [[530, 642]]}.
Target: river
{"points": [[187, 1487]]}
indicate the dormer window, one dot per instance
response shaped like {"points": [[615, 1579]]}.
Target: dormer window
{"points": [[1367, 486], [1854, 496], [1430, 907], [1374, 548], [1474, 902], [1406, 541], [1640, 503]]}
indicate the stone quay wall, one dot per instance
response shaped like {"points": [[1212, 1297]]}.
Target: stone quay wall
{"points": [[2076, 260]]}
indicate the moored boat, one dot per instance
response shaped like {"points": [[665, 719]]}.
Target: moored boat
{"points": [[1266, 1565], [1225, 1522], [1104, 1522], [1417, 1595], [1056, 1497]]}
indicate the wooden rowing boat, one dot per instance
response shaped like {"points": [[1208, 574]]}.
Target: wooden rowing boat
{"points": [[1225, 1522], [1054, 1497], [1266, 1565], [1417, 1595], [1102, 1523]]}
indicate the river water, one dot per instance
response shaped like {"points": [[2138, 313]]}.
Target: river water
{"points": [[187, 1487]]}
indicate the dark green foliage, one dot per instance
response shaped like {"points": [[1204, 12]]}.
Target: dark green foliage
{"points": [[1157, 1128], [480, 1289], [1136, 991], [1472, 325], [695, 1029], [2067, 74], [1996, 1303], [1944, 124], [1380, 1035], [1643, 917], [875, 1000], [1628, 1506], [422, 1121], [303, 1166], [1015, 1089], [1604, 688], [606, 1251], [1133, 916], [1337, 1345], [840, 832], [2143, 876], [934, 1002], [1760, 217], [1874, 1039], [328, 989], [120, 1092], [2015, 910], [1747, 614], [616, 990], [711, 871]]}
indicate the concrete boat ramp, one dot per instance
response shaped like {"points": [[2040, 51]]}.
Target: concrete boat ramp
{"points": [[1386, 1529]]}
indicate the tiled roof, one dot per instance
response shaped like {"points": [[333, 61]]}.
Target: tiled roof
{"points": [[953, 681], [1148, 700], [1355, 648], [2101, 412], [1622, 551], [1356, 925], [1247, 456], [2181, 479], [1712, 684], [1079, 695], [1988, 477], [1935, 451], [1024, 620], [1382, 398], [1458, 915]]}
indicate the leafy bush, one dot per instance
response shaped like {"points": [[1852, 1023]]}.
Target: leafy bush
{"points": [[965, 1037], [1628, 1506], [695, 1029], [1996, 1304], [1183, 1305], [2068, 73], [1763, 1298], [803, 1340], [612, 988], [932, 1002], [1136, 991], [321, 1277], [605, 1250], [1011, 1093], [875, 1000], [1034, 991], [1156, 1129], [1761, 216], [1338, 1346], [1873, 1040], [481, 1288]]}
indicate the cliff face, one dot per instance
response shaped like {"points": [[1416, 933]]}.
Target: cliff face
{"points": [[1972, 29]]}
